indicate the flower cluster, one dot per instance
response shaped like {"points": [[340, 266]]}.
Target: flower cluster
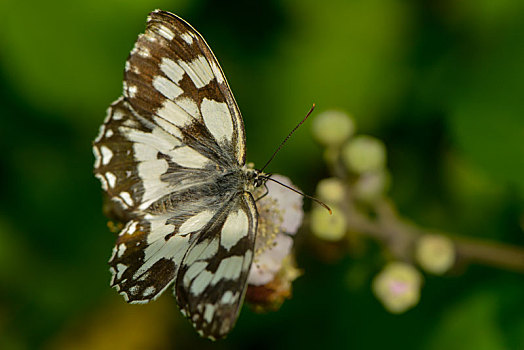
{"points": [[359, 163], [356, 192]]}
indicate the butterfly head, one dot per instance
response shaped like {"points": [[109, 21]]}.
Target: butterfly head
{"points": [[255, 178], [259, 180]]}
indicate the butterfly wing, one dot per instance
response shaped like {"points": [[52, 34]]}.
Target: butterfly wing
{"points": [[162, 156], [210, 292], [156, 184], [173, 79]]}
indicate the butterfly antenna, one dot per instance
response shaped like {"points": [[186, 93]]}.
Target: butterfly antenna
{"points": [[288, 136], [301, 193]]}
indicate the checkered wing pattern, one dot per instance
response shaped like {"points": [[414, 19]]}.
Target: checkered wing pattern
{"points": [[170, 156]]}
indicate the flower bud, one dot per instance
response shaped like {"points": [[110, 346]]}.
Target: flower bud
{"points": [[435, 253], [328, 227], [397, 287], [371, 186], [364, 154], [332, 128], [331, 190]]}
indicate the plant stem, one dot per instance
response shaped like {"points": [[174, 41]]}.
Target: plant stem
{"points": [[399, 237]]}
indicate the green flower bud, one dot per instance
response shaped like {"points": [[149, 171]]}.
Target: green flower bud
{"points": [[371, 186], [364, 154], [397, 287], [331, 190], [328, 227], [435, 253], [332, 128]]}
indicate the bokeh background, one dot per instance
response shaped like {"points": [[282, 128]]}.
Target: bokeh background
{"points": [[441, 83]]}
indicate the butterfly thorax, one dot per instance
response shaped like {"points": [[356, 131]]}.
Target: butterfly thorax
{"points": [[209, 189]]}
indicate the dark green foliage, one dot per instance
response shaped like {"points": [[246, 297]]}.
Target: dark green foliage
{"points": [[439, 83]]}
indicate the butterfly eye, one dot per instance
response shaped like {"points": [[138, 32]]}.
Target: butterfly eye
{"points": [[258, 182]]}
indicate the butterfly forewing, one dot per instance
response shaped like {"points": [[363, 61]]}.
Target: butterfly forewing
{"points": [[170, 157], [115, 161], [173, 79]]}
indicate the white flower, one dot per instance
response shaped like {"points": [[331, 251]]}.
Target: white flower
{"points": [[280, 216], [268, 263]]}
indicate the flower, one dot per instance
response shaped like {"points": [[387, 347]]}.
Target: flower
{"points": [[397, 286], [268, 259], [280, 215]]}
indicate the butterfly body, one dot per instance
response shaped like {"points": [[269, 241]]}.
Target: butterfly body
{"points": [[171, 158]]}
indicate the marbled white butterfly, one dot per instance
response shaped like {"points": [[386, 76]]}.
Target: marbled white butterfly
{"points": [[171, 157]]}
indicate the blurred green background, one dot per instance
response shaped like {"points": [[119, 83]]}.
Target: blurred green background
{"points": [[441, 83]]}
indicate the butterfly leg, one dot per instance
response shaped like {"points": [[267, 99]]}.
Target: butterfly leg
{"points": [[265, 193]]}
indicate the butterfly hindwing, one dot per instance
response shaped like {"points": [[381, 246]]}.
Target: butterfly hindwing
{"points": [[149, 250], [143, 263], [213, 275]]}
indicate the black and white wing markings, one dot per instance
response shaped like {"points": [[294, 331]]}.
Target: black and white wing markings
{"points": [[115, 163], [167, 205], [170, 156], [173, 79], [138, 273], [211, 282], [135, 161], [150, 249]]}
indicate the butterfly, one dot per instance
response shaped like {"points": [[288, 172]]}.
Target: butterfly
{"points": [[171, 156]]}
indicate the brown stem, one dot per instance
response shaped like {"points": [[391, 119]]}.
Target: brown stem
{"points": [[490, 253], [399, 236]]}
